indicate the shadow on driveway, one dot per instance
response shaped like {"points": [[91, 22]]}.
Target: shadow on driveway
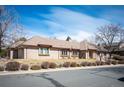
{"points": [[121, 79], [53, 81]]}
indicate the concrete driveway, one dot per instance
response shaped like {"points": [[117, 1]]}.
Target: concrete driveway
{"points": [[96, 77]]}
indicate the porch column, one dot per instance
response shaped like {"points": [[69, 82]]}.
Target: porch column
{"points": [[11, 54], [87, 54], [70, 54], [25, 53]]}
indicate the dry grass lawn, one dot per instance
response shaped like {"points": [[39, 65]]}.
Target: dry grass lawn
{"points": [[29, 61]]}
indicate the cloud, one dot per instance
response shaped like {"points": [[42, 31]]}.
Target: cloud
{"points": [[71, 19], [78, 36], [62, 22], [115, 16], [32, 32]]}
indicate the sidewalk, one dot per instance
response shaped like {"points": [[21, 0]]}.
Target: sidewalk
{"points": [[57, 69]]}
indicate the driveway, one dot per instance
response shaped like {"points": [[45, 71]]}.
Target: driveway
{"points": [[96, 77]]}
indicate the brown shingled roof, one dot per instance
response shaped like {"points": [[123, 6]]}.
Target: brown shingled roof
{"points": [[16, 44], [35, 41], [85, 45]]}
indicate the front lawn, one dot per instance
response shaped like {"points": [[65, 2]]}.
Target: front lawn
{"points": [[29, 61]]}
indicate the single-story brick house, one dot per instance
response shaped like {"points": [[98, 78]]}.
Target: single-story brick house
{"points": [[120, 50], [46, 48]]}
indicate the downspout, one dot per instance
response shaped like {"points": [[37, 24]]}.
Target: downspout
{"points": [[58, 53], [26, 53]]}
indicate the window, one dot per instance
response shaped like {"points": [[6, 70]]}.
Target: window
{"points": [[64, 52], [44, 51], [75, 53]]}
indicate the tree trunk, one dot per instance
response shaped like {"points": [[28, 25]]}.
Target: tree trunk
{"points": [[110, 55], [0, 45]]}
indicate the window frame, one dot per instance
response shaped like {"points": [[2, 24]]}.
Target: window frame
{"points": [[43, 51], [75, 53], [64, 53]]}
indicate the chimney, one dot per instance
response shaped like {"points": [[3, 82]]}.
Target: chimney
{"points": [[68, 39]]}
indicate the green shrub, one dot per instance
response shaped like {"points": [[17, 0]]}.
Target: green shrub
{"points": [[73, 64], [45, 65], [1, 68], [84, 64], [12, 66], [66, 64], [52, 65], [35, 67], [3, 53], [24, 67]]}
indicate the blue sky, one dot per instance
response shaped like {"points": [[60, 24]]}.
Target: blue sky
{"points": [[78, 22]]}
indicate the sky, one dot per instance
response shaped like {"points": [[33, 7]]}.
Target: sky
{"points": [[78, 22]]}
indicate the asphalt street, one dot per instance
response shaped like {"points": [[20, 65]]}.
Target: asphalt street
{"points": [[96, 77]]}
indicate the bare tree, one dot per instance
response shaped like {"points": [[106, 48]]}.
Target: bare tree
{"points": [[10, 28], [109, 35]]}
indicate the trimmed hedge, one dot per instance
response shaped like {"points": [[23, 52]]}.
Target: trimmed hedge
{"points": [[35, 67], [15, 66], [94, 64], [114, 62], [103, 63], [84, 64], [98, 63], [73, 64], [52, 65], [45, 65], [1, 68], [118, 57], [60, 65], [108, 63], [120, 62], [78, 65], [24, 67], [89, 64], [66, 64], [12, 66]]}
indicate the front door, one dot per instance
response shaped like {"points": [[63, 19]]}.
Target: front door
{"points": [[15, 54], [90, 54]]}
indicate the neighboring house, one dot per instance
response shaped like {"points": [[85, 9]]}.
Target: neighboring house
{"points": [[46, 48], [103, 53], [120, 50]]}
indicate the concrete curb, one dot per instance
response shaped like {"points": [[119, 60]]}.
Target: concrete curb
{"points": [[57, 69]]}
